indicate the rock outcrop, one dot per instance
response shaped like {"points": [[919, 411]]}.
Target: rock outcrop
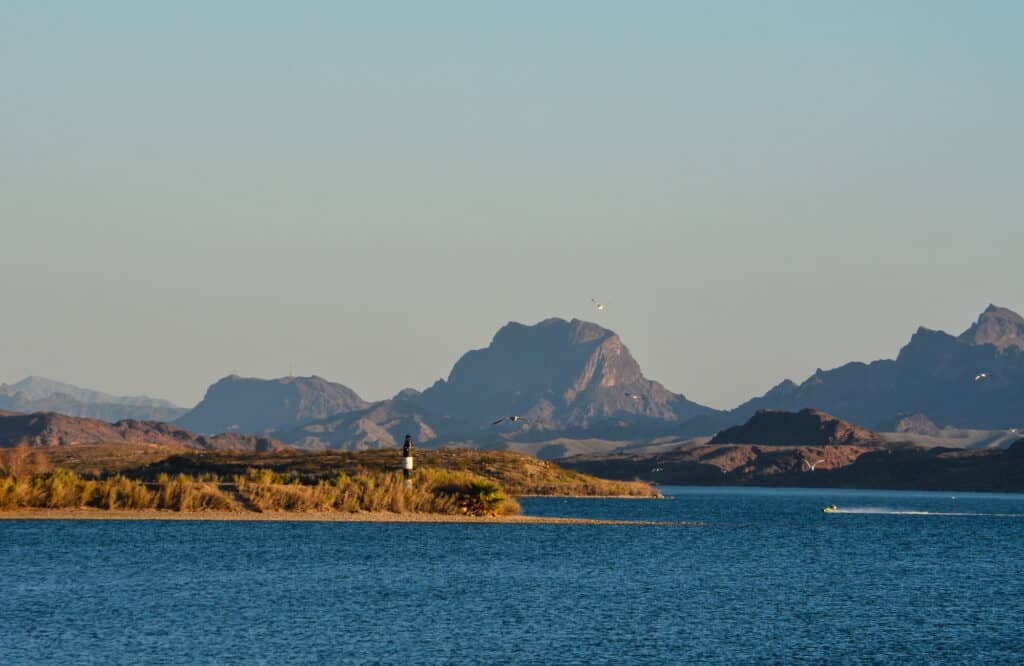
{"points": [[808, 427], [999, 327]]}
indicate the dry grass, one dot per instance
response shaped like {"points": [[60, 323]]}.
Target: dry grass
{"points": [[63, 489], [23, 459], [185, 493], [92, 460], [434, 491], [515, 473]]}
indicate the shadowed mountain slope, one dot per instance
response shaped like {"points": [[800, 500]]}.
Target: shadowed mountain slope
{"points": [[381, 425], [557, 374], [263, 406], [975, 380], [808, 427]]}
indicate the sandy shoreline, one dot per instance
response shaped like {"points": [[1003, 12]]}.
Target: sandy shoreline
{"points": [[287, 516]]}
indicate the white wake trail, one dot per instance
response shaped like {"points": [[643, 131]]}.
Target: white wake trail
{"points": [[889, 511]]}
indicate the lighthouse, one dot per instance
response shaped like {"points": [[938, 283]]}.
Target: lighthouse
{"points": [[407, 460]]}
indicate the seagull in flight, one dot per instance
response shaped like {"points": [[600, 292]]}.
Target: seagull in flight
{"points": [[599, 306], [981, 375], [812, 465], [510, 418], [634, 396]]}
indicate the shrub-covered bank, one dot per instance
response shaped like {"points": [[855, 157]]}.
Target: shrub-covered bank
{"points": [[434, 491]]}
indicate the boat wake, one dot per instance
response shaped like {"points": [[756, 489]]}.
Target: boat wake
{"points": [[888, 511]]}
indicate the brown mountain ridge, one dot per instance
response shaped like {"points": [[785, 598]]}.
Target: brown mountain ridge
{"points": [[808, 427], [50, 429]]}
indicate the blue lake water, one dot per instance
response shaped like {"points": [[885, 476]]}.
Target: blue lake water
{"points": [[902, 577]]}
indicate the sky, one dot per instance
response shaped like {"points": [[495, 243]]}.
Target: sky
{"points": [[365, 191]]}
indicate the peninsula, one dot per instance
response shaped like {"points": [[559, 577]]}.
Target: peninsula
{"points": [[87, 480]]}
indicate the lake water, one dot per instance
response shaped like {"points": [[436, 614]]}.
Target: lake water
{"points": [[902, 577]]}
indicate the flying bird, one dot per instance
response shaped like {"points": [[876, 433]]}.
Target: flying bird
{"points": [[812, 465], [599, 306], [634, 396], [509, 418], [980, 376]]}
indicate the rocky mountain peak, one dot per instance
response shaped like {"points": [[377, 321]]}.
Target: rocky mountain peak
{"points": [[1000, 327], [556, 373]]}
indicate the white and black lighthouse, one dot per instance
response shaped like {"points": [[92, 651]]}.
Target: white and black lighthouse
{"points": [[407, 460]]}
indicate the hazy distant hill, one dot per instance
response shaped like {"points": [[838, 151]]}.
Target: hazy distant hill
{"points": [[263, 406], [557, 374], [975, 380], [919, 429], [38, 394]]}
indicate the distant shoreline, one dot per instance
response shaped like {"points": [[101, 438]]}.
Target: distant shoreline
{"points": [[310, 517], [597, 497]]}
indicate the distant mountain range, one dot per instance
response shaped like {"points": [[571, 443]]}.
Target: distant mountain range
{"points": [[576, 381], [50, 429], [809, 448], [38, 394], [555, 376], [812, 449], [974, 380]]}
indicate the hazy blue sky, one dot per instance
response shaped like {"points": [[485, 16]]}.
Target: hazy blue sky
{"points": [[365, 191]]}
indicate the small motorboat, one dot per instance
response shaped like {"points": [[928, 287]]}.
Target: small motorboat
{"points": [[831, 508]]}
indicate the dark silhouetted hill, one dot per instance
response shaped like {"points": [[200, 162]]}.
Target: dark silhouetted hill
{"points": [[841, 466], [808, 427]]}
